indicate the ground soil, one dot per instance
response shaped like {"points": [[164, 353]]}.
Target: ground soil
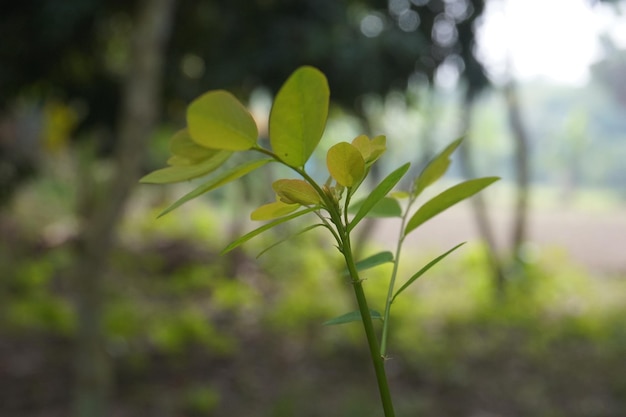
{"points": [[593, 239]]}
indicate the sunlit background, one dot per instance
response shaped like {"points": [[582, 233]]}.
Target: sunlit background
{"points": [[106, 310]]}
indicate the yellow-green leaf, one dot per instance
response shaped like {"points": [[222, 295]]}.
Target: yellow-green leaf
{"points": [[184, 148], [298, 116], [378, 146], [218, 120], [178, 173], [224, 178], [273, 211], [362, 143], [296, 192], [345, 164], [371, 149], [436, 168], [447, 199]]}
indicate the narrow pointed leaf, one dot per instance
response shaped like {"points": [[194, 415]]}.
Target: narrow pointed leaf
{"points": [[345, 164], [374, 260], [178, 173], [379, 193], [292, 191], [273, 245], [218, 120], [424, 269], [351, 317], [447, 199], [265, 227], [436, 168], [298, 116], [386, 207], [226, 177], [273, 210]]}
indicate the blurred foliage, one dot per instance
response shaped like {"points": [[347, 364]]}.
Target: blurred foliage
{"points": [[199, 341]]}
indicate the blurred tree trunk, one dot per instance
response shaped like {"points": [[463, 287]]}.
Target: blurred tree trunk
{"points": [[139, 113], [479, 207], [522, 170]]}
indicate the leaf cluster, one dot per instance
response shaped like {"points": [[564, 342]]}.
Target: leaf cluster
{"points": [[220, 126]]}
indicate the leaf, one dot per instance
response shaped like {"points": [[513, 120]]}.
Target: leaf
{"points": [[273, 210], [436, 167], [378, 147], [378, 193], [226, 177], [298, 116], [424, 269], [265, 227], [178, 173], [374, 260], [345, 164], [446, 199], [352, 316], [182, 146], [218, 120], [296, 192], [306, 229], [386, 207], [362, 143]]}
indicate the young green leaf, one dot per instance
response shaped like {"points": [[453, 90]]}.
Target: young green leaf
{"points": [[386, 207], [306, 229], [296, 192], [298, 116], [243, 239], [345, 164], [374, 260], [352, 316], [371, 149], [435, 168], [424, 269], [228, 176], [182, 146], [273, 210], [447, 199], [218, 120], [378, 193], [178, 173]]}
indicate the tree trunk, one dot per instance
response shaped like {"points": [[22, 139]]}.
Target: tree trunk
{"points": [[480, 209], [138, 116], [522, 170]]}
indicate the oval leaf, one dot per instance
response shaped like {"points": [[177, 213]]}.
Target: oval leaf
{"points": [[378, 193], [296, 192], [447, 199], [226, 177], [218, 120], [273, 210], [345, 164], [178, 173], [298, 116]]}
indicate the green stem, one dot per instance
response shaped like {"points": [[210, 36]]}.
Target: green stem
{"points": [[343, 238], [392, 281], [372, 341]]}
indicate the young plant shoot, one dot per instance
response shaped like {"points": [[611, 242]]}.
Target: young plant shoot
{"points": [[218, 125]]}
